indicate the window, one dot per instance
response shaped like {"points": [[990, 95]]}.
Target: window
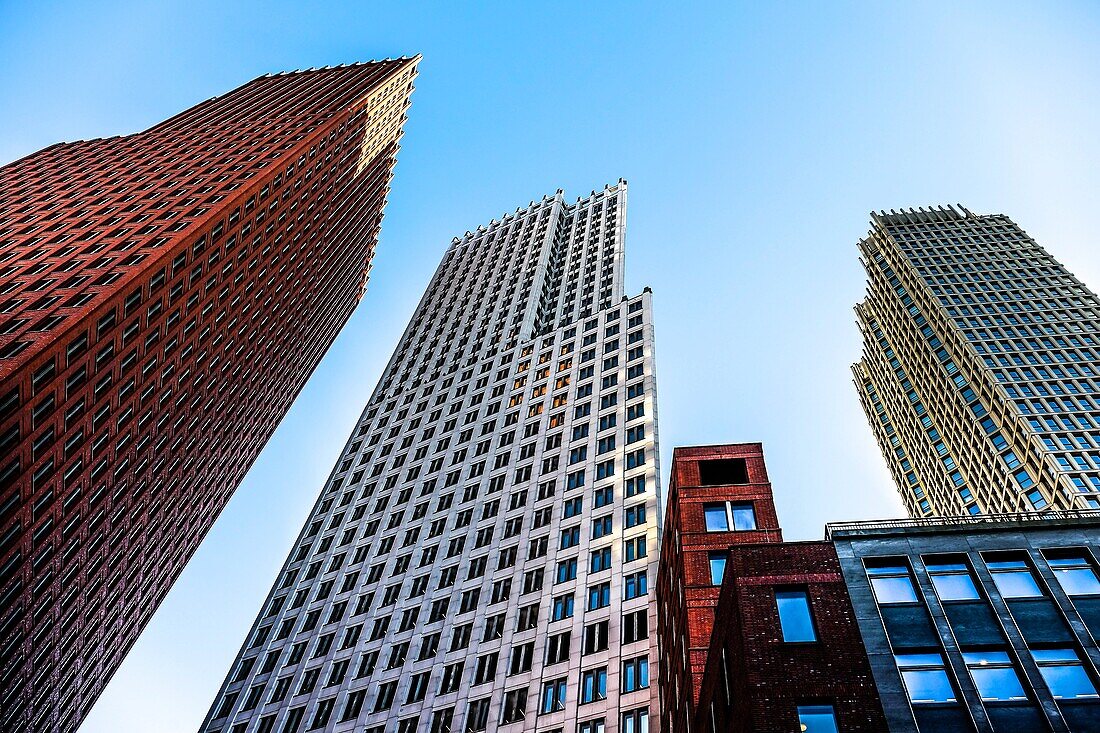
{"points": [[528, 617], [635, 674], [570, 537], [634, 585], [723, 472], [633, 516], [994, 675], [724, 516], [1075, 574], [717, 566], [521, 658], [557, 648], [477, 715], [817, 719], [486, 668], [553, 696], [441, 720], [599, 596], [572, 507], [418, 687], [595, 637], [1013, 577], [594, 685], [596, 725], [951, 579], [599, 560], [795, 618], [601, 527], [925, 677], [603, 497], [515, 706], [635, 721], [1064, 673], [716, 518], [563, 607], [385, 696], [452, 678], [567, 570], [634, 548], [635, 626], [892, 584]]}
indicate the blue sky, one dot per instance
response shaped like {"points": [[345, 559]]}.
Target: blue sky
{"points": [[755, 138]]}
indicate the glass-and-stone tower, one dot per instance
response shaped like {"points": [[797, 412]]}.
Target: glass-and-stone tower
{"points": [[483, 555], [981, 366]]}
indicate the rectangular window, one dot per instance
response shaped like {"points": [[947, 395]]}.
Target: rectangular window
{"points": [[925, 677], [598, 596], [563, 607], [717, 566], [795, 617], [635, 626], [567, 570], [994, 675], [723, 472], [892, 584], [951, 578], [817, 719], [634, 585], [477, 715], [521, 658], [1064, 673], [515, 706], [553, 696], [599, 560], [634, 548], [595, 637], [635, 721], [596, 725], [729, 515], [1013, 577], [594, 685], [557, 648], [635, 674], [1075, 573]]}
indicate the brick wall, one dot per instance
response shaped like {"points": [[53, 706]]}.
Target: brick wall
{"points": [[765, 678]]}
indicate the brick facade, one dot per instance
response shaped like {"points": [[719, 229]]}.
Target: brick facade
{"points": [[755, 681], [164, 297], [686, 597], [727, 667]]}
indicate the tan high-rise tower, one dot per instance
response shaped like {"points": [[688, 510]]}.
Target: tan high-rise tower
{"points": [[980, 366]]}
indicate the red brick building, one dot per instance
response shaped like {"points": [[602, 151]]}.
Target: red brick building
{"points": [[734, 477], [759, 634], [163, 298]]}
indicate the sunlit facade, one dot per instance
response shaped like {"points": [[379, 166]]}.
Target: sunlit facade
{"points": [[484, 553], [980, 373]]}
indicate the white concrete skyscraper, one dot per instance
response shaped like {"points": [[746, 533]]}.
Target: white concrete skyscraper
{"points": [[483, 555]]}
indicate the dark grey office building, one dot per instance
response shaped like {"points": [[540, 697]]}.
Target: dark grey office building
{"points": [[983, 624]]}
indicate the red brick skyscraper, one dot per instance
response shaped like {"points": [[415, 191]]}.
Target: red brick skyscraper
{"points": [[163, 298]]}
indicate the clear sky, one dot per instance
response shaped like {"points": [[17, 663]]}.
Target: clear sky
{"points": [[755, 137]]}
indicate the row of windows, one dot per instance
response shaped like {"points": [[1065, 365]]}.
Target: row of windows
{"points": [[994, 670], [1013, 575]]}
